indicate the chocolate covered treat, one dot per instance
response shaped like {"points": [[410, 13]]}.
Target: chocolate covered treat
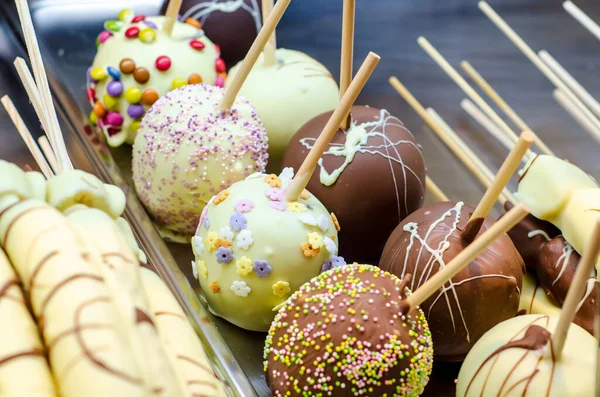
{"points": [[483, 294], [344, 334], [233, 25], [554, 261], [372, 176]]}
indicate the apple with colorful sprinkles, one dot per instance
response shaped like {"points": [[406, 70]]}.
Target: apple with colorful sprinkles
{"points": [[140, 59], [260, 239]]}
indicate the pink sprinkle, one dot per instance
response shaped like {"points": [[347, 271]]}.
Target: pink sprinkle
{"points": [[278, 205], [104, 35], [115, 119]]}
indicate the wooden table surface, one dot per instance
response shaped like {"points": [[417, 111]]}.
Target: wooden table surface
{"points": [[390, 28]]}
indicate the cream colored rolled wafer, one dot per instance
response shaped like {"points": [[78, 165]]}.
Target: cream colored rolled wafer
{"points": [[121, 271], [78, 187], [24, 370], [13, 180], [180, 341], [88, 353]]}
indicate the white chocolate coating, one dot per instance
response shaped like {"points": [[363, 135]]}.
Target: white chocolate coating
{"points": [[287, 95], [534, 300], [252, 252], [518, 371], [185, 61], [561, 193], [187, 151], [24, 370]]}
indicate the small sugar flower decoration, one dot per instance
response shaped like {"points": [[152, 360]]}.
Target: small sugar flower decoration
{"points": [[195, 270], [330, 246], [221, 196], [210, 240], [296, 207], [277, 205], [226, 233], [287, 174], [202, 270], [309, 251], [240, 288], [214, 287], [335, 222], [237, 221], [243, 206], [202, 217], [244, 266], [273, 180], [332, 263], [224, 255], [281, 288], [323, 222], [222, 242], [307, 219], [206, 222], [244, 239], [274, 194], [197, 245], [305, 195], [262, 268], [315, 240]]}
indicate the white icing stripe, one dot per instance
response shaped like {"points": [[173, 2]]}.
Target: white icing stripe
{"points": [[356, 141], [202, 11], [563, 260], [539, 232], [588, 290]]}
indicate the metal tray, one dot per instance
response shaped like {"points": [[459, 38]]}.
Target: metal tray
{"points": [[66, 31]]}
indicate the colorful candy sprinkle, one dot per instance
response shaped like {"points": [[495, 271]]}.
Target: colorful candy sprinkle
{"points": [[114, 119], [141, 75], [127, 65], [113, 26], [138, 18], [194, 22], [149, 96], [113, 72], [132, 32], [125, 14], [163, 63], [220, 65], [148, 35], [197, 45], [98, 73], [178, 82], [114, 88], [135, 111], [103, 36], [133, 95]]}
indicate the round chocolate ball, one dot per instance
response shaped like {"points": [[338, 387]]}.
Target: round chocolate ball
{"points": [[483, 294], [371, 176], [233, 25], [344, 334]]}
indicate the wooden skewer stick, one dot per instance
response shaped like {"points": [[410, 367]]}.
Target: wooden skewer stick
{"points": [[467, 255], [459, 151], [535, 59], [255, 50], [347, 52], [43, 88], [507, 170], [573, 84], [569, 307], [310, 162], [27, 137], [31, 90], [435, 190], [497, 99], [585, 123], [486, 123], [582, 18], [462, 83], [462, 146], [171, 16], [269, 52], [48, 152]]}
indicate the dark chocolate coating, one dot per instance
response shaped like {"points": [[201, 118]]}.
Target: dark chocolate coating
{"points": [[487, 290], [529, 247], [373, 194], [554, 262], [234, 31]]}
